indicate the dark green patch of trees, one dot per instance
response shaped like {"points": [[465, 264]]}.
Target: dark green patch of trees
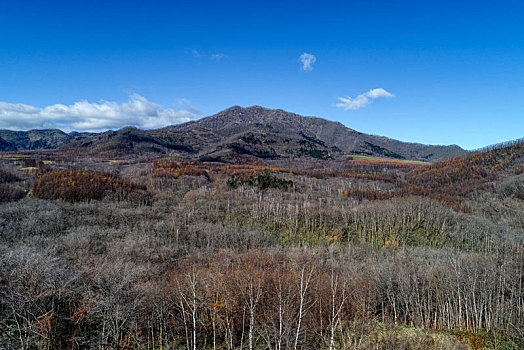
{"points": [[262, 181]]}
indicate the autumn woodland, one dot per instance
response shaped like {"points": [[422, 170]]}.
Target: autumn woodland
{"points": [[174, 253]]}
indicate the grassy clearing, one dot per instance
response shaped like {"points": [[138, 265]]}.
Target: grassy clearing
{"points": [[373, 159], [487, 341], [376, 335], [114, 161]]}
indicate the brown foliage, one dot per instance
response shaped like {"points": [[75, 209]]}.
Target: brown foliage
{"points": [[452, 179], [10, 193], [176, 168], [6, 176], [475, 166]]}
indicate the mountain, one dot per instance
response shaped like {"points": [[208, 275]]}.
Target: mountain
{"points": [[37, 139], [253, 131], [277, 133], [6, 146]]}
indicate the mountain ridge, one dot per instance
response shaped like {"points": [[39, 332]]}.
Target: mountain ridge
{"points": [[34, 139], [333, 134], [254, 131]]}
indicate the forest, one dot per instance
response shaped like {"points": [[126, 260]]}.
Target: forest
{"points": [[172, 253]]}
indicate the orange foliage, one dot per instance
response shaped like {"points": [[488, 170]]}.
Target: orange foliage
{"points": [[475, 166], [80, 185], [176, 168], [452, 179]]}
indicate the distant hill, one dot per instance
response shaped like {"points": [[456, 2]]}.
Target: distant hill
{"points": [[37, 139], [254, 131], [259, 132], [6, 146]]}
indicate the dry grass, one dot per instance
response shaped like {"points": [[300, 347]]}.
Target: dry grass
{"points": [[373, 159]]}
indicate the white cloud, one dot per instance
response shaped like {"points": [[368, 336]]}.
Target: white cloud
{"points": [[89, 116], [218, 56], [307, 61], [362, 100], [195, 53], [377, 93]]}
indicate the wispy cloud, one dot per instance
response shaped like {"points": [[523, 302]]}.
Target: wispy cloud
{"points": [[203, 55], [362, 100], [307, 60], [90, 116], [195, 53], [218, 56]]}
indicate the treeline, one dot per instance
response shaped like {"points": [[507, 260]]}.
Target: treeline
{"points": [[83, 185], [176, 168], [505, 153]]}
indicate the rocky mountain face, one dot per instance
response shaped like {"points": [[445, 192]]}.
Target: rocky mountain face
{"points": [[254, 131]]}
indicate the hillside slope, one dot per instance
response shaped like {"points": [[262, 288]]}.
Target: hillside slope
{"points": [[314, 132], [259, 132], [37, 139]]}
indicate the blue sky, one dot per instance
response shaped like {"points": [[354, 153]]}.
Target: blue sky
{"points": [[454, 70]]}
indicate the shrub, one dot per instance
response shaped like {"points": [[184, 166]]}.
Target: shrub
{"points": [[10, 193], [6, 176]]}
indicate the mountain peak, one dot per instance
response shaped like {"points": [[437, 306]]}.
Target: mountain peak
{"points": [[237, 116], [249, 108], [255, 131]]}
